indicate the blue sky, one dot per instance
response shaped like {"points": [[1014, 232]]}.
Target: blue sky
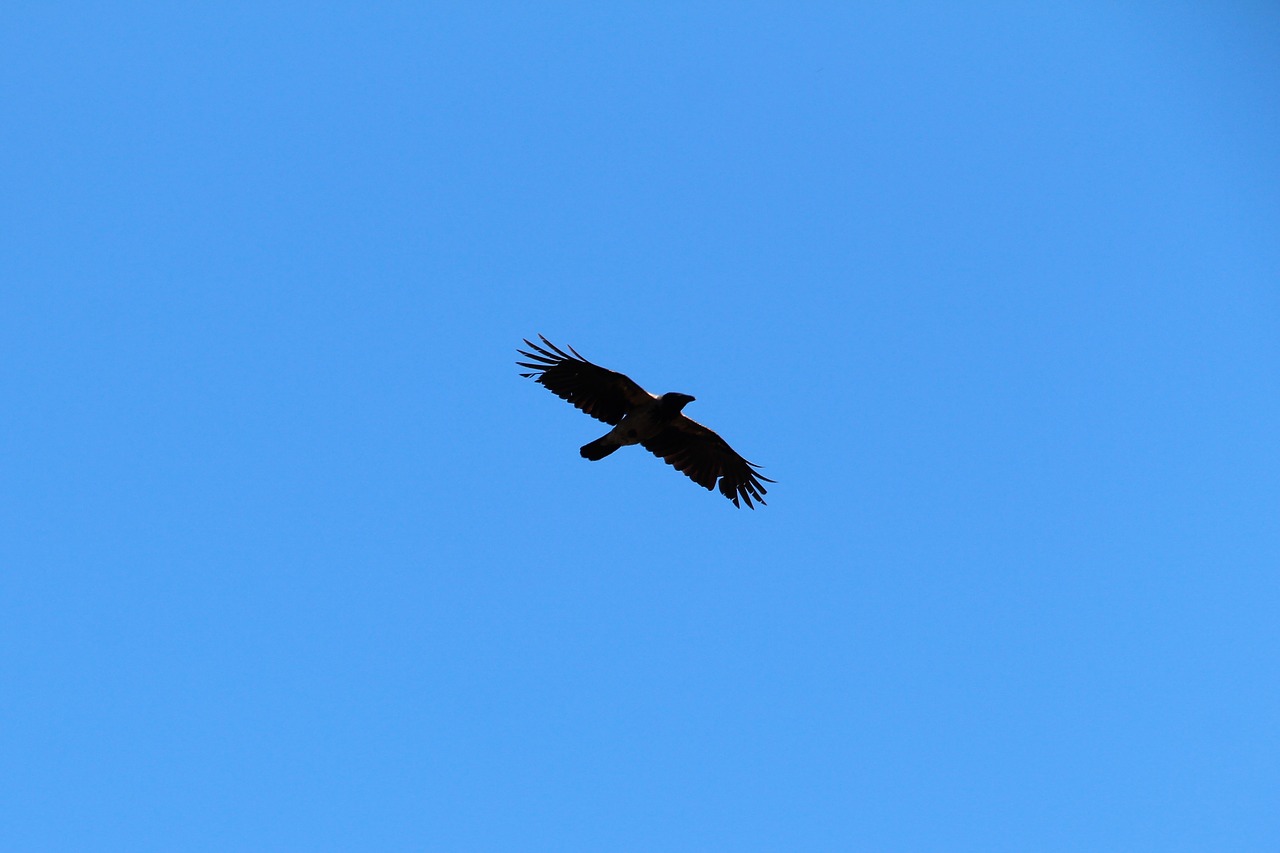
{"points": [[294, 560]]}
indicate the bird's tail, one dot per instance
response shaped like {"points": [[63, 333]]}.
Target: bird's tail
{"points": [[599, 449]]}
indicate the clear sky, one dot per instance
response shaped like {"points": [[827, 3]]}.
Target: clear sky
{"points": [[293, 559]]}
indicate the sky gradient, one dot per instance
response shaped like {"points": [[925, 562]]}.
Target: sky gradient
{"points": [[295, 560]]}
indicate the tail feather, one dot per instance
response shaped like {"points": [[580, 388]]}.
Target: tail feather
{"points": [[598, 449]]}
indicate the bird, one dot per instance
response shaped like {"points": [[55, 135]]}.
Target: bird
{"points": [[657, 423]]}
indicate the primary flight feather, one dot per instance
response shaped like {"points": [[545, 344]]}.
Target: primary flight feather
{"points": [[638, 417]]}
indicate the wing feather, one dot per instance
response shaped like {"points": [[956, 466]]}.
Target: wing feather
{"points": [[704, 457], [604, 394]]}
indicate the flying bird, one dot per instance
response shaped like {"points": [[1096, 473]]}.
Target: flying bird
{"points": [[638, 417]]}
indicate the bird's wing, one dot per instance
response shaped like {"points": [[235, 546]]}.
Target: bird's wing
{"points": [[604, 394], [705, 457]]}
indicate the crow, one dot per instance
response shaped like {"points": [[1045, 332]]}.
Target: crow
{"points": [[638, 417]]}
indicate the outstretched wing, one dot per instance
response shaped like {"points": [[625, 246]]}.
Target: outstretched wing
{"points": [[705, 457], [604, 394]]}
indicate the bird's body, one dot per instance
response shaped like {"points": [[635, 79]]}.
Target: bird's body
{"points": [[638, 417], [642, 423]]}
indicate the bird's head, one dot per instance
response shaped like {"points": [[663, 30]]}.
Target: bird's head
{"points": [[674, 401]]}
